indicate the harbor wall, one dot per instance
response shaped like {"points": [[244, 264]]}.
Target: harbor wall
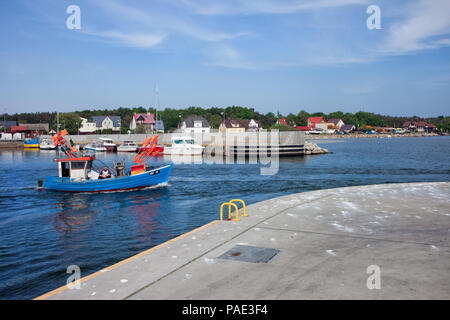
{"points": [[205, 139]]}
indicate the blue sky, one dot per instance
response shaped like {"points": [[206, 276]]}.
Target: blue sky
{"points": [[316, 55]]}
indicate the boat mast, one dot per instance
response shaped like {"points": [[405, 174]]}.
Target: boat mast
{"points": [[156, 101]]}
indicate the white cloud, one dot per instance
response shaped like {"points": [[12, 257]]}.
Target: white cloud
{"points": [[134, 40], [167, 21], [220, 7], [426, 26], [227, 56]]}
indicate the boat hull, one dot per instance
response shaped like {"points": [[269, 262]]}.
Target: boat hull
{"points": [[144, 180], [31, 143], [160, 149], [47, 147], [110, 148], [95, 149], [126, 149], [193, 151]]}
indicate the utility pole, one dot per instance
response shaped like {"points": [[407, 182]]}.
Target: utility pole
{"points": [[278, 116], [4, 120]]}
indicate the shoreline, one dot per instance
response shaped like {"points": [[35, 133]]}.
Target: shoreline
{"points": [[366, 136], [8, 145]]}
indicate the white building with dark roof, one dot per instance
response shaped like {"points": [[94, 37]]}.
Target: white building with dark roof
{"points": [[107, 122], [195, 124]]}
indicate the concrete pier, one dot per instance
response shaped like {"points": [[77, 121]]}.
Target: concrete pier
{"points": [[326, 244]]}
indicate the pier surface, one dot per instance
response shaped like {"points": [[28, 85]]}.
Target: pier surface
{"points": [[324, 243]]}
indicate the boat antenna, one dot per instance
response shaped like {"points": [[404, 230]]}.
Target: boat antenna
{"points": [[156, 100]]}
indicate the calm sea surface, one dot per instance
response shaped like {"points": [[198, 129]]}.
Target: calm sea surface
{"points": [[43, 232]]}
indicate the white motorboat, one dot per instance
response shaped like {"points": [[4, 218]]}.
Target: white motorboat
{"points": [[127, 146], [108, 144], [95, 146], [184, 146], [47, 144]]}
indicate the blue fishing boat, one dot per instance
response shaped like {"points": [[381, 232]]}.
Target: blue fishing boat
{"points": [[79, 175]]}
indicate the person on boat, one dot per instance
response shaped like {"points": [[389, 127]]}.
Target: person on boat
{"points": [[105, 173]]}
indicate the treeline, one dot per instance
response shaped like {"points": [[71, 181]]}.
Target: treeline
{"points": [[214, 115]]}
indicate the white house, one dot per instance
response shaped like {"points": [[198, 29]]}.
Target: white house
{"points": [[195, 124], [87, 127], [107, 122], [254, 125], [338, 123]]}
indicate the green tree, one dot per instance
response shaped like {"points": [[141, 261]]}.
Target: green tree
{"points": [[70, 121], [215, 121], [139, 129], [302, 118]]}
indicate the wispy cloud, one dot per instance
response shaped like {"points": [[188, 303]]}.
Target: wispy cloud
{"points": [[143, 41], [217, 7], [229, 57], [165, 21], [425, 26]]}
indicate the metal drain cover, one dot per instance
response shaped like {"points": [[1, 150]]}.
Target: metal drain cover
{"points": [[250, 254]]}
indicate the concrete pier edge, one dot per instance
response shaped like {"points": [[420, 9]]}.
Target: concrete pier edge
{"points": [[118, 264], [409, 230]]}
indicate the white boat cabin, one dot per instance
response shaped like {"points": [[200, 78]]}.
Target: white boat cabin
{"points": [[75, 168]]}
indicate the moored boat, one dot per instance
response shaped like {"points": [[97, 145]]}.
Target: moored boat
{"points": [[127, 146], [108, 144], [95, 146], [184, 146], [31, 143], [46, 144]]}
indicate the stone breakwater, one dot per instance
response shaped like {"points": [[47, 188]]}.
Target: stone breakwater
{"points": [[312, 148]]}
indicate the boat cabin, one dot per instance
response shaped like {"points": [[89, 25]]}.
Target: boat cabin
{"points": [[182, 140], [75, 168], [129, 144]]}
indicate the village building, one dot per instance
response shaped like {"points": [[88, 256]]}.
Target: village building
{"points": [[159, 126], [326, 127], [194, 124], [232, 126], [303, 128], [338, 123], [313, 121], [254, 125], [419, 126], [347, 128], [107, 122], [282, 122], [7, 124], [87, 127], [147, 120]]}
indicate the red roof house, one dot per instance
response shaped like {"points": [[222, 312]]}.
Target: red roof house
{"points": [[420, 126], [15, 129], [303, 128], [145, 119], [283, 122], [312, 121]]}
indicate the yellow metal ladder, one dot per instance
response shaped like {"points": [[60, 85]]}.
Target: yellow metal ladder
{"points": [[229, 204]]}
